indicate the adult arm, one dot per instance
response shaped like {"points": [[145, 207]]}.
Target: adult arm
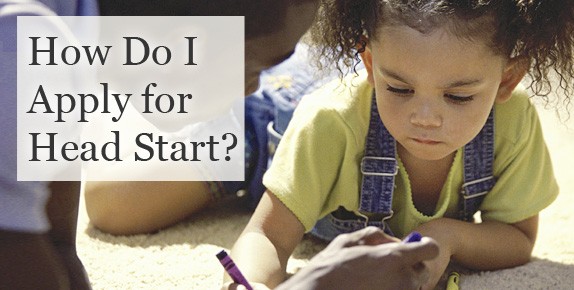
{"points": [[46, 260], [62, 210], [30, 262]]}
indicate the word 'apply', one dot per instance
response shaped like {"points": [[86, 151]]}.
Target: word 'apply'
{"points": [[77, 107]]}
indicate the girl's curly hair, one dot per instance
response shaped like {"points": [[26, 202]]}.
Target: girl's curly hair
{"points": [[540, 31]]}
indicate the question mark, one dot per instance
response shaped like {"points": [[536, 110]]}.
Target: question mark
{"points": [[227, 158]]}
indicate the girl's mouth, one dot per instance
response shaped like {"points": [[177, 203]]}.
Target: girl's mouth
{"points": [[425, 141]]}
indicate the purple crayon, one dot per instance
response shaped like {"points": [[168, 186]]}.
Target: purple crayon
{"points": [[232, 269], [413, 237]]}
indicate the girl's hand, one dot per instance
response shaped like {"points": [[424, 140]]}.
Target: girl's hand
{"points": [[436, 230], [235, 286], [437, 267]]}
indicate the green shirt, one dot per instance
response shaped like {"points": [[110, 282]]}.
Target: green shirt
{"points": [[316, 167]]}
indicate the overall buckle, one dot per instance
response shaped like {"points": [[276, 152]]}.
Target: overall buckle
{"points": [[379, 166]]}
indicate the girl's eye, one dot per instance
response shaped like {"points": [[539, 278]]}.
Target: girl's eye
{"points": [[459, 99], [399, 91]]}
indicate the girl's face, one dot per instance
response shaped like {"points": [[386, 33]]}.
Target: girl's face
{"points": [[434, 91]]}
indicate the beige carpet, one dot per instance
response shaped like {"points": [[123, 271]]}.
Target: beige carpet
{"points": [[183, 256]]}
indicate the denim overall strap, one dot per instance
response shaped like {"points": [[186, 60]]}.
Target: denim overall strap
{"points": [[478, 172], [379, 167]]}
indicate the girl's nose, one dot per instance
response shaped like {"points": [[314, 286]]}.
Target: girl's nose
{"points": [[426, 114]]}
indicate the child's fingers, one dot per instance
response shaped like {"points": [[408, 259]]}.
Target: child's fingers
{"points": [[236, 286], [226, 286], [233, 286]]}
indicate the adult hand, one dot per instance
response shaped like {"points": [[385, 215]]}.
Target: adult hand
{"points": [[367, 259]]}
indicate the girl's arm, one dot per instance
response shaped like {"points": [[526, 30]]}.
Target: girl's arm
{"points": [[264, 247], [489, 245]]}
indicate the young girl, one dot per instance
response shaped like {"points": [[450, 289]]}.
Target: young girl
{"points": [[433, 131]]}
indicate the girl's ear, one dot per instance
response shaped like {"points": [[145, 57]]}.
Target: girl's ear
{"points": [[511, 77], [367, 59]]}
